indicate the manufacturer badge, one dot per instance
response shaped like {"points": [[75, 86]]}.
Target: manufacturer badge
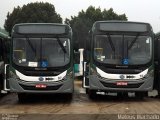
{"points": [[41, 78], [122, 76]]}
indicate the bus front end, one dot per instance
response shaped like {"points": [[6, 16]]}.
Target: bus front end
{"points": [[121, 58], [41, 60]]}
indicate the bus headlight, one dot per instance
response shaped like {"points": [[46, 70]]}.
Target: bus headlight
{"points": [[93, 71], [62, 78], [99, 76], [13, 75], [70, 74], [150, 73]]}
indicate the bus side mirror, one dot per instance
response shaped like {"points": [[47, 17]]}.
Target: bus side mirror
{"points": [[6, 77], [76, 57]]}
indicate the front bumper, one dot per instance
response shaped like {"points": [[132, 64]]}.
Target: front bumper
{"points": [[96, 83], [20, 86]]}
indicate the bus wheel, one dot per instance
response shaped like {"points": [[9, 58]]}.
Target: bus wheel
{"points": [[69, 96], [140, 95], [1, 84], [122, 95], [158, 94], [21, 97], [87, 90], [92, 94]]}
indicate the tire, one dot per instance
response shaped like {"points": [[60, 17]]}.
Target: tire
{"points": [[69, 96], [22, 97], [2, 85], [158, 94], [141, 95], [1, 81], [122, 95], [87, 90], [92, 94]]}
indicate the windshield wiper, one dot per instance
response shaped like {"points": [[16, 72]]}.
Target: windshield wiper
{"points": [[61, 45], [30, 44], [130, 46], [111, 43]]}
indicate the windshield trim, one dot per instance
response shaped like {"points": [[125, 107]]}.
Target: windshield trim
{"points": [[40, 67], [122, 65]]}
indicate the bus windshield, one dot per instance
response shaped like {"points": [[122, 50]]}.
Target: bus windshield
{"points": [[41, 52], [123, 49]]}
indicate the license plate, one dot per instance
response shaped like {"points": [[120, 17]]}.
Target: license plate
{"points": [[121, 83], [41, 86]]}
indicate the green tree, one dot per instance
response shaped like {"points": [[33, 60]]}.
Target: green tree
{"points": [[82, 23], [37, 12]]}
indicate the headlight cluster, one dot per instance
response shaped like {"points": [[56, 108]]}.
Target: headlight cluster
{"points": [[93, 71], [150, 73], [13, 75], [99, 76], [70, 74]]}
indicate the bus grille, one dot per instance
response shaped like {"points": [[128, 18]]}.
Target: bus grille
{"points": [[25, 87], [113, 85]]}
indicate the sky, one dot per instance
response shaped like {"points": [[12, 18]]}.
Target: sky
{"points": [[135, 10]]}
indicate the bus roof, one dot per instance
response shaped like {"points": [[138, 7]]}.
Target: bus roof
{"points": [[2, 35], [40, 24], [120, 21], [124, 26], [40, 28]]}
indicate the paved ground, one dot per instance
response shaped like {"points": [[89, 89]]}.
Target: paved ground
{"points": [[58, 106]]}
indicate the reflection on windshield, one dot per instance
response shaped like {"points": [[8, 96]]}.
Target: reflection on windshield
{"points": [[41, 52], [139, 52]]}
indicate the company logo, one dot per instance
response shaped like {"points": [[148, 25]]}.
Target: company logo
{"points": [[59, 78], [41, 78], [122, 76]]}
